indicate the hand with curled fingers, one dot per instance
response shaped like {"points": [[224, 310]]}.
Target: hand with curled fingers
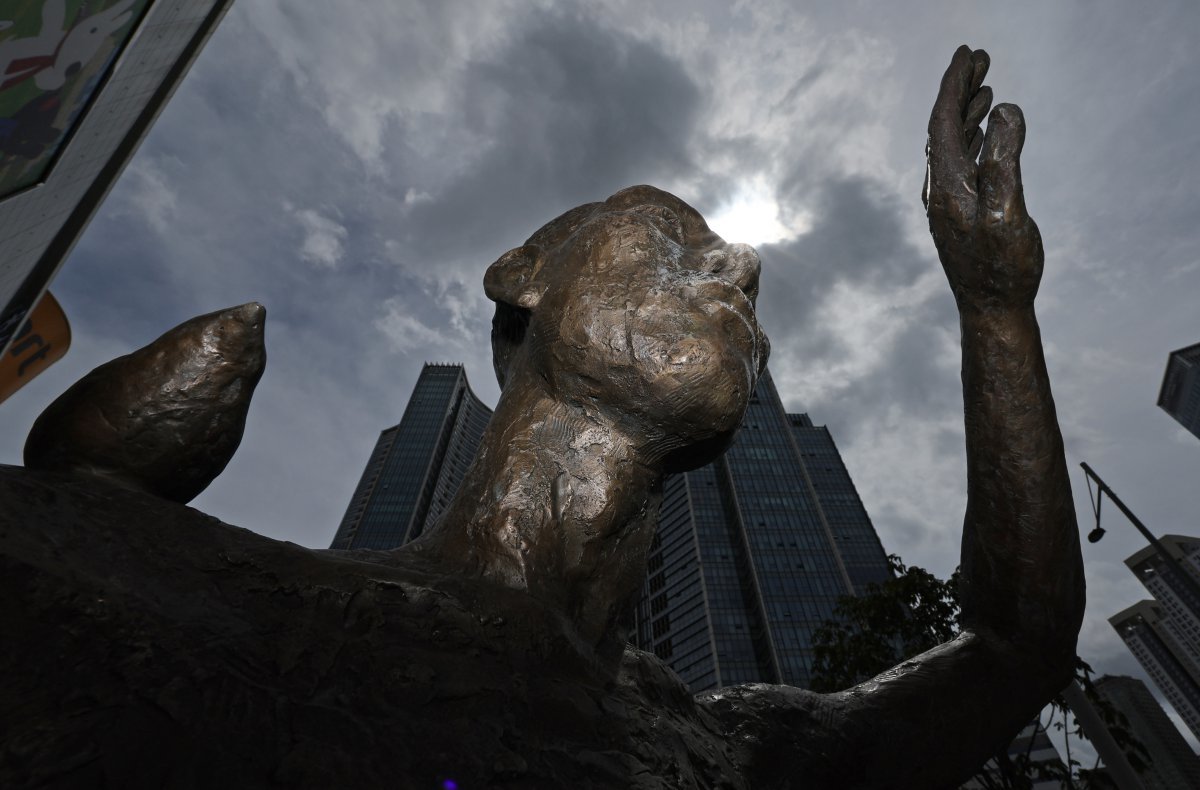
{"points": [[989, 246]]}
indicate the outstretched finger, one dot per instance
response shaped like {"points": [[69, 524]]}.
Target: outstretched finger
{"points": [[980, 61], [975, 145], [977, 110], [1000, 166], [951, 149], [950, 107]]}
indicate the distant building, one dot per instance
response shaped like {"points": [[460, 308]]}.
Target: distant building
{"points": [[1180, 600], [752, 552], [1164, 634], [1180, 393], [80, 85], [416, 466], [1031, 748], [1143, 629], [1172, 763]]}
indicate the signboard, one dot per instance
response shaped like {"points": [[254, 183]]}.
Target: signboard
{"points": [[81, 83], [42, 341], [54, 55]]}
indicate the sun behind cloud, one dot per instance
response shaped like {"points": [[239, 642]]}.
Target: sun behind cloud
{"points": [[752, 217]]}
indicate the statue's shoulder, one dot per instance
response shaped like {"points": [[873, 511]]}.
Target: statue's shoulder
{"points": [[783, 732], [247, 660]]}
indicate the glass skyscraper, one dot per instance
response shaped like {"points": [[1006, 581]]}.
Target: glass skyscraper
{"points": [[752, 553], [416, 466], [80, 86]]}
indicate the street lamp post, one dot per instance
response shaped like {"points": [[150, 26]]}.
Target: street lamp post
{"points": [[1181, 577]]}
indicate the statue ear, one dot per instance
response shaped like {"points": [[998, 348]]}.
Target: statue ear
{"points": [[511, 279]]}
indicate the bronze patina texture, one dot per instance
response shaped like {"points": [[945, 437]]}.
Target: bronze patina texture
{"points": [[148, 645], [164, 419], [627, 346]]}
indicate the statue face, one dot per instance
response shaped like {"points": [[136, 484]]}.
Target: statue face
{"points": [[644, 309]]}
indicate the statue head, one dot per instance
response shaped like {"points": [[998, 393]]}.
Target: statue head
{"points": [[634, 308]]}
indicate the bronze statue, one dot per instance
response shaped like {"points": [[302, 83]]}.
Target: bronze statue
{"points": [[165, 419], [626, 344], [149, 645]]}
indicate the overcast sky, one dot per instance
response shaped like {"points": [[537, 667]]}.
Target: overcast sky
{"points": [[357, 167]]}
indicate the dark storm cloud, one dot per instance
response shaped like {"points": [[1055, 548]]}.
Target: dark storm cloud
{"points": [[909, 378], [220, 186], [857, 236], [857, 240], [571, 112]]}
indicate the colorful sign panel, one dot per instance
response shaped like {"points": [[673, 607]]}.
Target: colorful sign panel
{"points": [[42, 341], [54, 56]]}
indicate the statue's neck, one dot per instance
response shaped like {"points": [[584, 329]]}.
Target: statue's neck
{"points": [[559, 502]]}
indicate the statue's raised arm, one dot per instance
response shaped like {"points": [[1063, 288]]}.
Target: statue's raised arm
{"points": [[1022, 570], [932, 721]]}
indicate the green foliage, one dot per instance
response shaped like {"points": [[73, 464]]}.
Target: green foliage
{"points": [[890, 622], [915, 611]]}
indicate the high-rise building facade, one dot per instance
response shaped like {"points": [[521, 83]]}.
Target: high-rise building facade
{"points": [[750, 557], [1143, 629], [1176, 591], [1164, 634], [80, 85], [417, 465], [1172, 763], [1180, 393], [855, 537], [752, 552]]}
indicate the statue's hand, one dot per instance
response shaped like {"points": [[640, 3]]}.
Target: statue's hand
{"points": [[989, 247]]}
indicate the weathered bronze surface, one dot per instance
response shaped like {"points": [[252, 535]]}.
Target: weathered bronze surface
{"points": [[626, 344], [164, 419], [148, 645]]}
